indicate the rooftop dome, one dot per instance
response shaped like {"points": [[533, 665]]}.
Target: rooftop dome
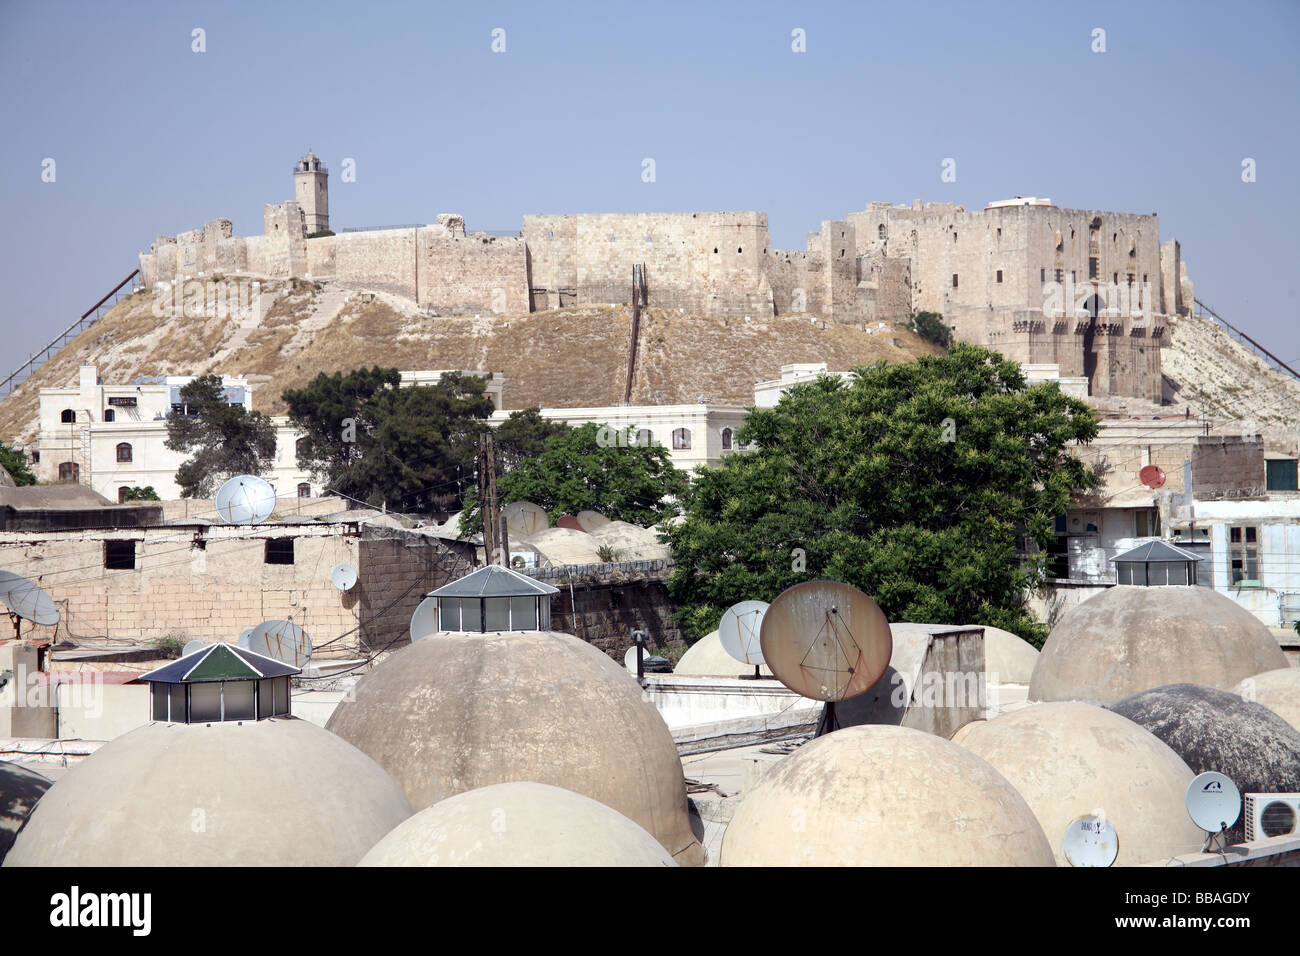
{"points": [[456, 712], [708, 658], [276, 792], [1278, 690], [1068, 759], [878, 795], [518, 824], [1217, 730], [1007, 655], [1129, 639], [20, 788]]}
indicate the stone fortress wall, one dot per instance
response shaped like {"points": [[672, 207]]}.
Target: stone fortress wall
{"points": [[989, 272]]}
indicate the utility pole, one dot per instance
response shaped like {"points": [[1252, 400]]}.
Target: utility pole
{"points": [[494, 527]]}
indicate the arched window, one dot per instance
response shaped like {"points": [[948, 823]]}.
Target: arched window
{"points": [[124, 451], [69, 471], [304, 490], [726, 439], [681, 439], [68, 416], [645, 437], [110, 415], [300, 447], [881, 231], [121, 494]]}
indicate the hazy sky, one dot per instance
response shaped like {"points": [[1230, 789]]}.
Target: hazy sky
{"points": [[150, 137]]}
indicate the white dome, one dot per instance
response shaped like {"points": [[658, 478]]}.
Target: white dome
{"points": [[708, 658], [1278, 690]]}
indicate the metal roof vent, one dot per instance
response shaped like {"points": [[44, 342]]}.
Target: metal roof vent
{"points": [[493, 598], [1155, 564], [220, 682]]}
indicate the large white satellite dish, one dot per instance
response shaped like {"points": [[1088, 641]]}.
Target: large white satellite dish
{"points": [[192, 646], [245, 499], [1090, 841], [739, 631], [244, 636], [282, 640], [424, 622], [27, 599], [1213, 801], [344, 577], [524, 518]]}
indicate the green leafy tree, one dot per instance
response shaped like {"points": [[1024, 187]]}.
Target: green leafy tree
{"points": [[138, 493], [930, 326], [222, 440], [15, 462], [524, 435], [410, 448], [924, 484]]}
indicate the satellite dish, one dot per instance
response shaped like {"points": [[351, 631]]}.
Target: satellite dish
{"points": [[570, 522], [424, 622], [825, 640], [739, 631], [245, 499], [1213, 801], [629, 659], [524, 518], [282, 640], [27, 600], [1090, 841], [1153, 476], [589, 521], [244, 637], [192, 646], [344, 577]]}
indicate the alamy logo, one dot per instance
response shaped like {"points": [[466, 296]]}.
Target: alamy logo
{"points": [[75, 909]]}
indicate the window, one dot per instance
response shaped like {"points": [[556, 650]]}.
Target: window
{"points": [[124, 452], [954, 235], [119, 555], [880, 231], [300, 447], [726, 439], [121, 494], [999, 275], [1243, 554], [1093, 265], [681, 439], [1042, 275], [304, 490], [1280, 474], [645, 437], [110, 415], [69, 471], [954, 280], [279, 551], [1147, 523]]}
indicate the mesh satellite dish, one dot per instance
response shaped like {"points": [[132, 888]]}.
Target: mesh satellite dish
{"points": [[192, 646], [1090, 841], [26, 600], [1153, 476], [740, 632], [244, 637], [283, 641], [1213, 803], [826, 641], [524, 518], [245, 499], [344, 577], [424, 622], [591, 520]]}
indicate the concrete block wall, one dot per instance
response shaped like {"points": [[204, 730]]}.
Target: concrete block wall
{"points": [[396, 570], [1228, 466]]}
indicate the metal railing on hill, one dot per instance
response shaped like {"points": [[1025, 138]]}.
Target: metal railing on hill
{"points": [[91, 315], [1203, 311]]}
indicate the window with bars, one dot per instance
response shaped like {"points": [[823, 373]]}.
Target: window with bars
{"points": [[1243, 554]]}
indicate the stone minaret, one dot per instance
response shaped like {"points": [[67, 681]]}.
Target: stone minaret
{"points": [[312, 193]]}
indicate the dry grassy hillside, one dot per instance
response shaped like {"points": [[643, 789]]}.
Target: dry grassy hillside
{"points": [[566, 358]]}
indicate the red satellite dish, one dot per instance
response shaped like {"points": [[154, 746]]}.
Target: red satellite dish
{"points": [[1152, 476], [570, 522]]}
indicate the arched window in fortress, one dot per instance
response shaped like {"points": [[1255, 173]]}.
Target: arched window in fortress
{"points": [[681, 439], [125, 452], [68, 416], [726, 439], [880, 231]]}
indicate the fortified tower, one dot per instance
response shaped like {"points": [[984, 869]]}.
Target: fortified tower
{"points": [[312, 192]]}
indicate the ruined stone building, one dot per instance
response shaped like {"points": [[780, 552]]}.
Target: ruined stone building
{"points": [[1086, 291]]}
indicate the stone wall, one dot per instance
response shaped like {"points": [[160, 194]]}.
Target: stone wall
{"points": [[1228, 466], [396, 570]]}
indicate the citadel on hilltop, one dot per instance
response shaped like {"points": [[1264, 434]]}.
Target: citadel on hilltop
{"points": [[1083, 290]]}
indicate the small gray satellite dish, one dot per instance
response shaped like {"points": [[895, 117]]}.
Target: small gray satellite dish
{"points": [[1213, 801], [1090, 841], [424, 622], [344, 577], [524, 518], [26, 599], [192, 646], [245, 499], [244, 637], [282, 640], [739, 631]]}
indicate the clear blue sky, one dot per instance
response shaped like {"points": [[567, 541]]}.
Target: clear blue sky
{"points": [[151, 138]]}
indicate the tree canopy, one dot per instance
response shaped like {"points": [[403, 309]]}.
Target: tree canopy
{"points": [[522, 435], [923, 484], [15, 462], [930, 326], [222, 440], [410, 448]]}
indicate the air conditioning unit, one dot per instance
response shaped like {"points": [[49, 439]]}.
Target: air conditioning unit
{"points": [[1271, 815]]}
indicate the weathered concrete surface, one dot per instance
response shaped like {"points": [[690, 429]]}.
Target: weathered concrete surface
{"points": [[1278, 690], [1008, 658], [257, 793], [20, 789], [884, 796], [1217, 730], [1130, 639], [456, 712], [1069, 758], [518, 824]]}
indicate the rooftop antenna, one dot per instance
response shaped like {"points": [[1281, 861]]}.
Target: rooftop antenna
{"points": [[245, 499], [344, 577], [26, 600], [283, 641], [826, 641], [1214, 803], [1090, 840], [739, 631]]}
